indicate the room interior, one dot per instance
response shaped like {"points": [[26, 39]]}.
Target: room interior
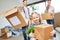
{"points": [[39, 6]]}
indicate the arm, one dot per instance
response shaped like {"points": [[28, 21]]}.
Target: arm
{"points": [[46, 10]]}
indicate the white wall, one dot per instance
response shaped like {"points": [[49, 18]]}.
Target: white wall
{"points": [[56, 4], [6, 5]]}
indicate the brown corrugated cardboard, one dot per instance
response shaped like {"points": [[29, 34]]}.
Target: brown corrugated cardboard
{"points": [[57, 20], [7, 35], [46, 16], [43, 31], [4, 31], [15, 18]]}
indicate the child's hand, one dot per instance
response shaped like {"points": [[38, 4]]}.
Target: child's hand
{"points": [[32, 35], [52, 33]]}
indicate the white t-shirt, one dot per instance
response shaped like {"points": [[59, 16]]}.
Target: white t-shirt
{"points": [[50, 10], [25, 14], [26, 20]]}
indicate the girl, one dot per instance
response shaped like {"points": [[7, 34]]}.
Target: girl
{"points": [[36, 21]]}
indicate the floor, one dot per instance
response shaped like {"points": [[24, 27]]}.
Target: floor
{"points": [[20, 37]]}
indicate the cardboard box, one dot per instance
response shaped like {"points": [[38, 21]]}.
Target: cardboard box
{"points": [[43, 31], [4, 31], [15, 18], [7, 35], [46, 16], [57, 20]]}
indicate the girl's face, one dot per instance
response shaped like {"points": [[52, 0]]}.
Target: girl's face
{"points": [[35, 18]]}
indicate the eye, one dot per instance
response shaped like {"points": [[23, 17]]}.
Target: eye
{"points": [[36, 17], [33, 18]]}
